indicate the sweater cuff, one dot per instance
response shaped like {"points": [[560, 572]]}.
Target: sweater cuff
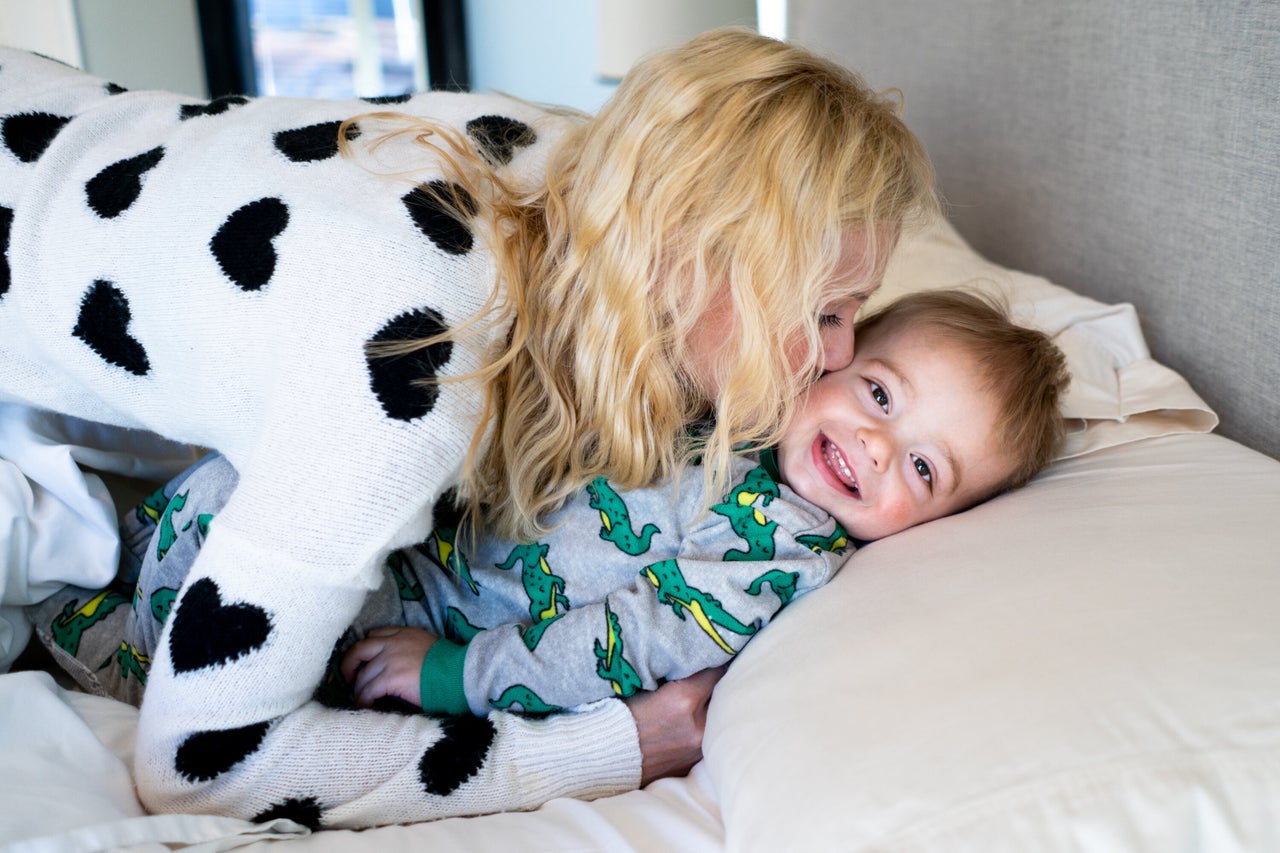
{"points": [[440, 686], [585, 752]]}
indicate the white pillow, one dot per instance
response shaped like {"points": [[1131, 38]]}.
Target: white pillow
{"points": [[1117, 393]]}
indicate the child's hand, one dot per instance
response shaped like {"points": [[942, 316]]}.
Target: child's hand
{"points": [[387, 662]]}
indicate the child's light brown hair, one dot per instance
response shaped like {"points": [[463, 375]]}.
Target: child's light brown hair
{"points": [[1021, 368]]}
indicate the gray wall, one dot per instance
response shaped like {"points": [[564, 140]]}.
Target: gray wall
{"points": [[541, 51], [1128, 149], [143, 44]]}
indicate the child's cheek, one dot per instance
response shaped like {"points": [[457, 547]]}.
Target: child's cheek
{"points": [[897, 514]]}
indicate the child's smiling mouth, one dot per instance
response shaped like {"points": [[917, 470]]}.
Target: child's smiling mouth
{"points": [[837, 465]]}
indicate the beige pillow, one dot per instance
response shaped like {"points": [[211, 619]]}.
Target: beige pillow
{"points": [[1086, 664]]}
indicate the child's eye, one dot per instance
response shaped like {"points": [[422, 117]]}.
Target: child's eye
{"points": [[922, 468], [830, 321], [878, 394]]}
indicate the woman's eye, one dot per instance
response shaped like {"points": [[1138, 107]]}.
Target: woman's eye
{"points": [[830, 321], [922, 468], [881, 398]]}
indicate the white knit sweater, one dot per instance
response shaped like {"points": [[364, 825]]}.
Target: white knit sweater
{"points": [[212, 272]]}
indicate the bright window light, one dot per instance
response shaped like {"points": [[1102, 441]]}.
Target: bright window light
{"points": [[771, 16]]}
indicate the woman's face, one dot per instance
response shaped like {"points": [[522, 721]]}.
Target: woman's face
{"points": [[848, 289]]}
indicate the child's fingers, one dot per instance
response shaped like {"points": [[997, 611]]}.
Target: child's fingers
{"points": [[386, 682], [375, 680], [366, 690], [387, 662], [360, 654], [378, 640]]}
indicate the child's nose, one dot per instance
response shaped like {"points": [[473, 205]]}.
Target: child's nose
{"points": [[878, 445]]}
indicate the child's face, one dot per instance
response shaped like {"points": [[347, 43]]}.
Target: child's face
{"points": [[903, 435]]}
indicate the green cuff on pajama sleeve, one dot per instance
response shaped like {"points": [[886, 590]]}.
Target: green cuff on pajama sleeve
{"points": [[440, 684]]}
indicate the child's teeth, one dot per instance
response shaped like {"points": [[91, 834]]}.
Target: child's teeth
{"points": [[836, 460]]}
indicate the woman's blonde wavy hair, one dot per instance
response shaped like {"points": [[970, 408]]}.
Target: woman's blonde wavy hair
{"points": [[725, 171]]}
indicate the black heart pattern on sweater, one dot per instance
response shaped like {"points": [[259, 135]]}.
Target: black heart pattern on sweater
{"points": [[103, 324], [460, 752], [498, 137], [6, 223], [204, 755], [389, 99], [243, 246], [313, 142], [394, 378], [207, 632], [301, 810], [440, 209], [29, 134], [215, 107], [113, 190]]}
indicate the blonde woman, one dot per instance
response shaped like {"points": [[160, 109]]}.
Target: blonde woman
{"points": [[363, 310]]}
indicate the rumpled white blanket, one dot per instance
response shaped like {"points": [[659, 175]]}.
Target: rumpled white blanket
{"points": [[58, 522], [66, 784]]}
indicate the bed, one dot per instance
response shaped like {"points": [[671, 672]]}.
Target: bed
{"points": [[1090, 663]]}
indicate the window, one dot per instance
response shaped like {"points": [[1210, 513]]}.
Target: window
{"points": [[333, 48]]}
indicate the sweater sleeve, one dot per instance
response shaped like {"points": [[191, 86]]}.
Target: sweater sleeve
{"points": [[735, 570], [358, 769]]}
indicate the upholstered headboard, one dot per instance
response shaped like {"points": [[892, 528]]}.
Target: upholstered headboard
{"points": [[1127, 149]]}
